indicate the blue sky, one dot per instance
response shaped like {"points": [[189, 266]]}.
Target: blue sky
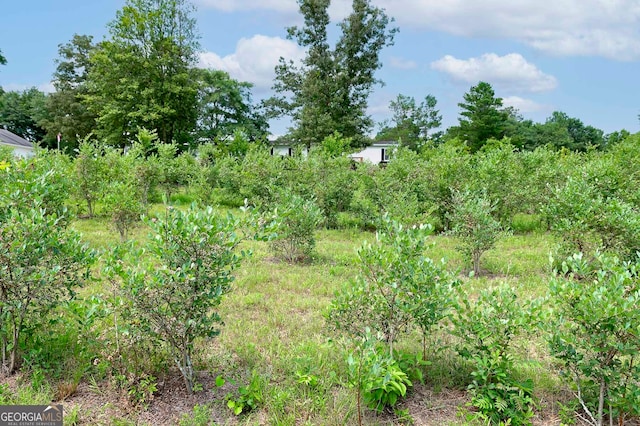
{"points": [[577, 56]]}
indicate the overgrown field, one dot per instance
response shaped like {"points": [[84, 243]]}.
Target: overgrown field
{"points": [[446, 288]]}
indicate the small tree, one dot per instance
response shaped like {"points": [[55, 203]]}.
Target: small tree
{"points": [[595, 334], [473, 224], [397, 286], [88, 174], [298, 221], [40, 264], [176, 283]]}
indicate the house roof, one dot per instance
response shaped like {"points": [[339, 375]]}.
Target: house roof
{"points": [[382, 144], [8, 138]]}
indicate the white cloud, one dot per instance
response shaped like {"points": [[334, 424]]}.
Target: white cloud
{"points": [[402, 64], [254, 59], [607, 28], [508, 72], [524, 105], [338, 9], [240, 5]]}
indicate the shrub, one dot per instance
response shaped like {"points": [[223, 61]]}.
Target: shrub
{"points": [[594, 334], [472, 223], [486, 330], [397, 287], [297, 222], [41, 262], [587, 222], [377, 377], [175, 285]]}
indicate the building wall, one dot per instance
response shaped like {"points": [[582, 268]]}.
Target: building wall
{"points": [[372, 154], [20, 151]]}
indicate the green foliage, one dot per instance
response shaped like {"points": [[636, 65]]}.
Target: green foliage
{"points": [[585, 221], [249, 397], [487, 330], [142, 392], [225, 108], [21, 112], [41, 263], [594, 334], [122, 204], [377, 377], [473, 224], [397, 286], [335, 145], [67, 113], [412, 123], [329, 91], [298, 220], [88, 176], [482, 117], [142, 76], [175, 285]]}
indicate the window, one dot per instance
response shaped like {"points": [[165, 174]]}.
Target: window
{"points": [[385, 155]]}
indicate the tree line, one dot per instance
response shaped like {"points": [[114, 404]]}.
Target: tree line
{"points": [[145, 75]]}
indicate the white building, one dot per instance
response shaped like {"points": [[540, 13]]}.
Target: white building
{"points": [[20, 146], [377, 153]]}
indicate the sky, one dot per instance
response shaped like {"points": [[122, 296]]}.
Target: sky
{"points": [[581, 57]]}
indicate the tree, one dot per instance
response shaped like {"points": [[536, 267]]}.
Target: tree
{"points": [[581, 136], [481, 117], [68, 114], [224, 107], [473, 224], [328, 92], [3, 60], [20, 113], [142, 77], [411, 123]]}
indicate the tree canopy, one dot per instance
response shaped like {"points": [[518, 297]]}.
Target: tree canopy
{"points": [[481, 116], [329, 90], [412, 123], [142, 76], [68, 113]]}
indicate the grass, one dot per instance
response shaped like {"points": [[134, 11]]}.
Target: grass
{"points": [[274, 327]]}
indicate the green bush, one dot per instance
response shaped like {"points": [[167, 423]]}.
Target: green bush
{"points": [[397, 287], [487, 329], [595, 334], [297, 222], [585, 221], [473, 224], [176, 283]]}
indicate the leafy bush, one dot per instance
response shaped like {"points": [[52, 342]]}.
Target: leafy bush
{"points": [[472, 222], [377, 377], [486, 330], [41, 262], [297, 222], [397, 287], [594, 334], [122, 204], [175, 285], [585, 221]]}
